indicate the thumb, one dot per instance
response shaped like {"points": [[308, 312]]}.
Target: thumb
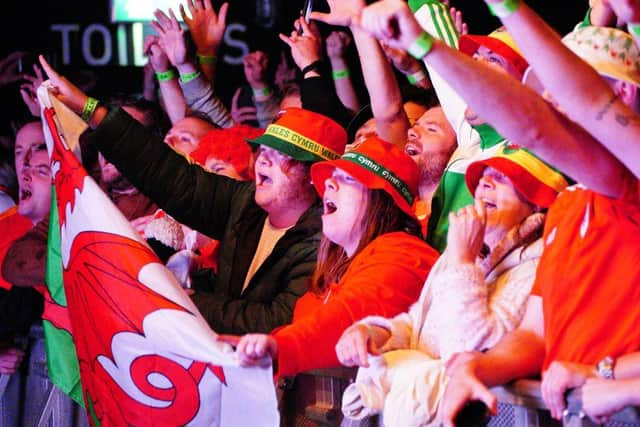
{"points": [[481, 210]]}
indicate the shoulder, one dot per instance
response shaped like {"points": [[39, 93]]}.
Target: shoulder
{"points": [[399, 248]]}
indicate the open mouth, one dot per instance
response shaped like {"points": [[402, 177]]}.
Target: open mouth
{"points": [[262, 179], [329, 207], [25, 194], [489, 205]]}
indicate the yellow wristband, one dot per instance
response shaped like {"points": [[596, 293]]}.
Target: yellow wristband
{"points": [[206, 59], [187, 77], [421, 46], [340, 74], [164, 76], [503, 8], [89, 108], [416, 77]]}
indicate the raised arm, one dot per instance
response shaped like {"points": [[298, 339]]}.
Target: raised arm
{"points": [[517, 112], [386, 100], [337, 44], [316, 89], [577, 87], [167, 178], [156, 48], [207, 31], [195, 90], [265, 98], [626, 12]]}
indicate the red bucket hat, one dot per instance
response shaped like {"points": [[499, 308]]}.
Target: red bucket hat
{"points": [[499, 42], [538, 182], [305, 136], [376, 164]]}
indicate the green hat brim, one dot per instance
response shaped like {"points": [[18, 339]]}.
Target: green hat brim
{"points": [[285, 147]]}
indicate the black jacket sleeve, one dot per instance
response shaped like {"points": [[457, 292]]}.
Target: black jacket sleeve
{"points": [[193, 196]]}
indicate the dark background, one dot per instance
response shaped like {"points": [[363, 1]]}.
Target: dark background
{"points": [[27, 26]]}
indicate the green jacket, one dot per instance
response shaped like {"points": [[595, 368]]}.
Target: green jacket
{"points": [[223, 209]]}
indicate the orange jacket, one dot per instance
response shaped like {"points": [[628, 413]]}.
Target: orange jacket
{"points": [[384, 279]]}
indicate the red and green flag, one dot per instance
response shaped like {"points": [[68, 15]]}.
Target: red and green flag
{"points": [[118, 317]]}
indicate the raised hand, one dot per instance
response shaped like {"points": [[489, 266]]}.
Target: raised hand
{"points": [[342, 12], [63, 89], [170, 36], [28, 90], [306, 48], [256, 350], [284, 72], [242, 114], [392, 22], [206, 27], [255, 68], [156, 54], [458, 21], [9, 70], [337, 44], [355, 345], [466, 233], [626, 10], [401, 59]]}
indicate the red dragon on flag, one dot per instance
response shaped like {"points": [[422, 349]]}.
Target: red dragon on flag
{"points": [[146, 355]]}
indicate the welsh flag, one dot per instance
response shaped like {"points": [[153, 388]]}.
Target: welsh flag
{"points": [[144, 354]]}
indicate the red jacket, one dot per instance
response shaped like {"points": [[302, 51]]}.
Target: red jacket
{"points": [[12, 226], [384, 279]]}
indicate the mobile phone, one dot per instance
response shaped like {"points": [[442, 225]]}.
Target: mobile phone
{"points": [[473, 414], [306, 11]]}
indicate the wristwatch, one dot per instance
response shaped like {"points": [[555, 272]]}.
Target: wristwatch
{"points": [[604, 368]]}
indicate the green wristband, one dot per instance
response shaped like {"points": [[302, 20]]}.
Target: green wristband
{"points": [[504, 8], [340, 74], [187, 77], [421, 46], [206, 59], [164, 76], [634, 28], [416, 77], [262, 93], [88, 109]]}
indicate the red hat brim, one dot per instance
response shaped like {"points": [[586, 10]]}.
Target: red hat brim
{"points": [[468, 44], [532, 189], [321, 171]]}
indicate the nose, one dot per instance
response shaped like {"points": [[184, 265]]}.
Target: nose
{"points": [[412, 133], [486, 182], [330, 184], [263, 159], [26, 173]]}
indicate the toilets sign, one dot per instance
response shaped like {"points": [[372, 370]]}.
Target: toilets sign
{"points": [[98, 44]]}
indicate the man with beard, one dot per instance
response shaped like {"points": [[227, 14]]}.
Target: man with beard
{"points": [[430, 142]]}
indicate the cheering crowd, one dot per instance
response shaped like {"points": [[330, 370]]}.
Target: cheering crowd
{"points": [[471, 223]]}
